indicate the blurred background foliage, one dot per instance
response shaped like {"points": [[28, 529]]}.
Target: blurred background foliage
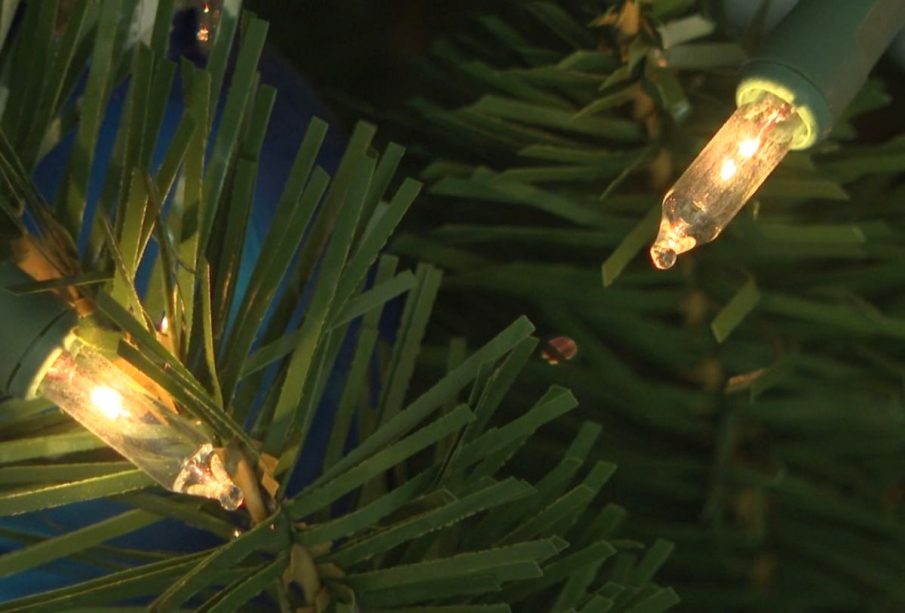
{"points": [[753, 396]]}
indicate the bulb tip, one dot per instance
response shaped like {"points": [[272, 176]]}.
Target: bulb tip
{"points": [[231, 497], [204, 474], [662, 257]]}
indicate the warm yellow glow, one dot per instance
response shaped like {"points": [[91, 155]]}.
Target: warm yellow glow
{"points": [[203, 34], [164, 325], [167, 446], [108, 401], [726, 173], [728, 170], [748, 147]]}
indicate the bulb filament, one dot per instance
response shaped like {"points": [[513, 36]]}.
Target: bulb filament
{"points": [[108, 401]]}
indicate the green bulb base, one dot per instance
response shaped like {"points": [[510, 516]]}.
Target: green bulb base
{"points": [[33, 328]]}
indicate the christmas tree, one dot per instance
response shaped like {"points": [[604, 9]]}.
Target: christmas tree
{"points": [[378, 471], [752, 395]]}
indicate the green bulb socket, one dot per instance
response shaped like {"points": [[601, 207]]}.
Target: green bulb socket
{"points": [[33, 330], [818, 58]]}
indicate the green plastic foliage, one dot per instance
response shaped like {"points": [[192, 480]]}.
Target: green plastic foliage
{"points": [[742, 303], [381, 527], [93, 104], [538, 182]]}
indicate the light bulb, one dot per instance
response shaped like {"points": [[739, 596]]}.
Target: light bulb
{"points": [[108, 401], [719, 182], [168, 447]]}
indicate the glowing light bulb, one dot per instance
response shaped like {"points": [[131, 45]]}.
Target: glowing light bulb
{"points": [[719, 182], [728, 170], [108, 401], [169, 447], [746, 149]]}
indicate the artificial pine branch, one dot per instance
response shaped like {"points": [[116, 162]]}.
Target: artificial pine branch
{"points": [[751, 397], [417, 513]]}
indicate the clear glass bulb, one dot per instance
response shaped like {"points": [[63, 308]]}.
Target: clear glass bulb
{"points": [[719, 182], [171, 449]]}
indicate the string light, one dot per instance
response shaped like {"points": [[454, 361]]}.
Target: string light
{"points": [[41, 354], [792, 90], [719, 182], [208, 19], [171, 449], [559, 349]]}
